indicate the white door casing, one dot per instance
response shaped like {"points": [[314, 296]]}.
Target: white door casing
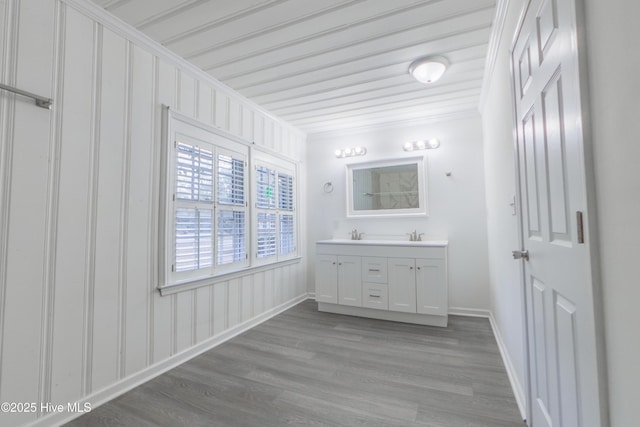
{"points": [[564, 369]]}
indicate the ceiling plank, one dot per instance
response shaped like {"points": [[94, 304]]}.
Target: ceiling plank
{"points": [[331, 65]]}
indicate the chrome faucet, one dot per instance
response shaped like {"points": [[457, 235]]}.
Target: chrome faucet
{"points": [[415, 237], [355, 235]]}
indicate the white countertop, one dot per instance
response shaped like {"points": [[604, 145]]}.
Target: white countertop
{"points": [[426, 243]]}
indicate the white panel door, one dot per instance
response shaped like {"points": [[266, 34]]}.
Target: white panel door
{"points": [[564, 387], [402, 284], [431, 287], [350, 280], [327, 278]]}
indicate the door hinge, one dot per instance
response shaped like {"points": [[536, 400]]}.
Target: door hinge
{"points": [[173, 268], [580, 224], [246, 256], [523, 254]]}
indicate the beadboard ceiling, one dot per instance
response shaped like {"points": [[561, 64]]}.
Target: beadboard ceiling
{"points": [[328, 65]]}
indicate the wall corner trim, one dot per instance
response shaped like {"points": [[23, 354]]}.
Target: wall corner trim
{"points": [[497, 30], [114, 390]]}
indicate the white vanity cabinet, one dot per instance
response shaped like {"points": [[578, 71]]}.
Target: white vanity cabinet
{"points": [[390, 280], [338, 279], [327, 278], [349, 280], [402, 284]]}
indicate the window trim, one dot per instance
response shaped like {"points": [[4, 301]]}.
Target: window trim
{"points": [[222, 141], [279, 166]]}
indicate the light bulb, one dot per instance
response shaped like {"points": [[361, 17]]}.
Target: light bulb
{"points": [[358, 150], [338, 153], [434, 143], [420, 145], [408, 146]]}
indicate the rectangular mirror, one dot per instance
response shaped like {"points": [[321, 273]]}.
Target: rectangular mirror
{"points": [[387, 188]]}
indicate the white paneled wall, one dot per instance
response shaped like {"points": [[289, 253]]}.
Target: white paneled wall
{"points": [[79, 197]]}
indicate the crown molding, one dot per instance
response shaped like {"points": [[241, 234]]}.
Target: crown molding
{"points": [[497, 31], [115, 24]]}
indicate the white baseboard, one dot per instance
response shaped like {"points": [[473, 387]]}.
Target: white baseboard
{"points": [[114, 390], [471, 312], [518, 390], [311, 295]]}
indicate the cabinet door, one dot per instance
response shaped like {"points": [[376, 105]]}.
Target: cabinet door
{"points": [[350, 280], [431, 286], [327, 278], [402, 284]]}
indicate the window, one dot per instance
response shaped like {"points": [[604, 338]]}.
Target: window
{"points": [[193, 206], [206, 213], [231, 208], [275, 211], [286, 207], [217, 210]]}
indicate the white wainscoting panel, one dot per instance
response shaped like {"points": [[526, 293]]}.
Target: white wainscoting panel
{"points": [[80, 315]]}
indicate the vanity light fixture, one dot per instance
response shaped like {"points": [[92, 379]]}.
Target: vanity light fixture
{"points": [[422, 144], [428, 70], [350, 152]]}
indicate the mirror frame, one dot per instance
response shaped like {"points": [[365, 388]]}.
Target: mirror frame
{"points": [[421, 210]]}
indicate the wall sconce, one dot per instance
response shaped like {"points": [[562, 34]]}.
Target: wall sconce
{"points": [[428, 144], [350, 152]]}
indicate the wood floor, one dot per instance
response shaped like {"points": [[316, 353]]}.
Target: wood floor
{"points": [[305, 368]]}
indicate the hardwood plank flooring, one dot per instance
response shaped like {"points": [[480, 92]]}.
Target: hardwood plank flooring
{"points": [[306, 368]]}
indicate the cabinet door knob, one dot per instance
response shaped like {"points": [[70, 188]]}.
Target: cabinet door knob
{"points": [[339, 263], [418, 268], [410, 268], [334, 263]]}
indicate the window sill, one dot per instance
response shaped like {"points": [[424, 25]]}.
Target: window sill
{"points": [[223, 277]]}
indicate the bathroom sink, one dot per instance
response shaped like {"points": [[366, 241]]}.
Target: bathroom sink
{"points": [[385, 242]]}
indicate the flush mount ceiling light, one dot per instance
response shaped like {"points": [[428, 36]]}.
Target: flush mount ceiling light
{"points": [[350, 152], [421, 145], [428, 70]]}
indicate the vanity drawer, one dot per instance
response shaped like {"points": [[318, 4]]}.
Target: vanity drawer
{"points": [[374, 269], [375, 295]]}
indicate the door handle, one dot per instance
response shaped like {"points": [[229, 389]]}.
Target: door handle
{"points": [[524, 254]]}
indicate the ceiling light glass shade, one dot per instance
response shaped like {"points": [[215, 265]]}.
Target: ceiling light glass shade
{"points": [[428, 70]]}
